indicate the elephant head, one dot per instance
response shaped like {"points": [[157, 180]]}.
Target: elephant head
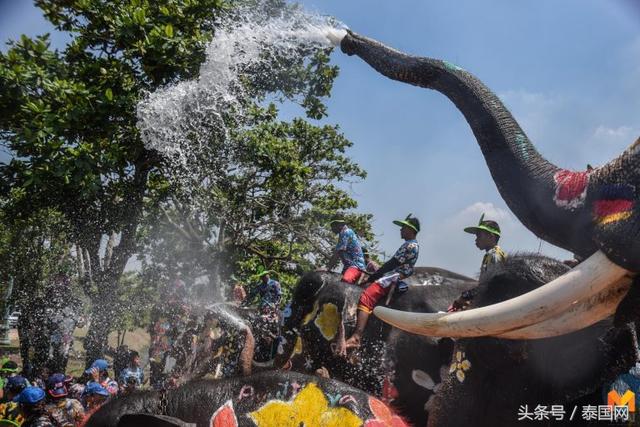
{"points": [[593, 213], [402, 368], [260, 400], [489, 379], [217, 340]]}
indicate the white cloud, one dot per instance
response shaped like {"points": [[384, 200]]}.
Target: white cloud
{"points": [[609, 135]]}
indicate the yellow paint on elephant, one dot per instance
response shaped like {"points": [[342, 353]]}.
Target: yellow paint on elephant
{"points": [[297, 348], [310, 408], [328, 321], [311, 314]]}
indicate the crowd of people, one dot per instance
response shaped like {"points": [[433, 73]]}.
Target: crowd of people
{"points": [[59, 400], [56, 399]]}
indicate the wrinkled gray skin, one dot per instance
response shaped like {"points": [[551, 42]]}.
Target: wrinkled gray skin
{"points": [[409, 365], [526, 180], [500, 375], [196, 401]]}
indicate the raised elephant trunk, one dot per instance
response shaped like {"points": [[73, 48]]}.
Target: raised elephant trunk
{"points": [[593, 213], [524, 178]]}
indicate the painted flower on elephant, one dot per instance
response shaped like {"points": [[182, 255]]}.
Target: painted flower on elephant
{"points": [[297, 348], [225, 416], [309, 316], [459, 366], [328, 321], [384, 417], [309, 408]]}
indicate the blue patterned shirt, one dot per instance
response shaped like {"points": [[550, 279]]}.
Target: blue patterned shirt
{"points": [[407, 255], [269, 293], [129, 372], [350, 249]]}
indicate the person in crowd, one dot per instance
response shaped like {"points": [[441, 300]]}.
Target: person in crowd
{"points": [[32, 401], [386, 279], [132, 371], [10, 413], [8, 369], [120, 358], [487, 234], [267, 290], [238, 293], [41, 379], [61, 318], [94, 397], [99, 373], [348, 250], [370, 265], [66, 411]]}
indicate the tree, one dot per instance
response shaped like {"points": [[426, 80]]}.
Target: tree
{"points": [[69, 119], [33, 251], [267, 206]]}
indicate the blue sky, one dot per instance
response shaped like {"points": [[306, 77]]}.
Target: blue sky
{"points": [[567, 69]]}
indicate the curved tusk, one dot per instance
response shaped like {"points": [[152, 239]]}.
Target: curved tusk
{"points": [[587, 279], [581, 314]]}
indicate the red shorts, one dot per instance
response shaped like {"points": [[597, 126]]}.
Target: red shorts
{"points": [[351, 275], [370, 297]]}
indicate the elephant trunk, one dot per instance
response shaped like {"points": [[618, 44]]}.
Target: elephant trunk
{"points": [[527, 182]]}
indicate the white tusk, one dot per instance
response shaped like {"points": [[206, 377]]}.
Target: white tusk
{"points": [[581, 314], [587, 279]]}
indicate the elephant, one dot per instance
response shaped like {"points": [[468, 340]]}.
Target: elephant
{"points": [[496, 381], [397, 366], [593, 213], [221, 339], [266, 399]]}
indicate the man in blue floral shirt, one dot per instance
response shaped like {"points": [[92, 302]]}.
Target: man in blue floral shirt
{"points": [[268, 290], [390, 275], [349, 251]]}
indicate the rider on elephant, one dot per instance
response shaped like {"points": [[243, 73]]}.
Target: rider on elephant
{"points": [[390, 275], [348, 250], [267, 290], [487, 236], [371, 265]]}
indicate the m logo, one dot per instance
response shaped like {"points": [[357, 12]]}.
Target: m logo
{"points": [[628, 398]]}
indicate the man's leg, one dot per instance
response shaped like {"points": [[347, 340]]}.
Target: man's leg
{"points": [[351, 275], [368, 300]]}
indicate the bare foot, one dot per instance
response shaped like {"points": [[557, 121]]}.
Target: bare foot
{"points": [[323, 372], [339, 348], [353, 342]]}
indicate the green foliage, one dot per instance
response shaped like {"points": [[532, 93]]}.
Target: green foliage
{"points": [[32, 250], [267, 205], [69, 119], [132, 302]]}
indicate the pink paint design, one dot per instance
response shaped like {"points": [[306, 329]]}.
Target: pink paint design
{"points": [[384, 417], [295, 387], [347, 399], [245, 391], [571, 188], [225, 416]]}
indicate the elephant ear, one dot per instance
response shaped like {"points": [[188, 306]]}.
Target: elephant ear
{"points": [[225, 416], [143, 420]]}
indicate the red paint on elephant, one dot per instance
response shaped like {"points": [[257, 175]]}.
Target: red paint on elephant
{"points": [[603, 208], [571, 188], [225, 416], [384, 417], [389, 390]]}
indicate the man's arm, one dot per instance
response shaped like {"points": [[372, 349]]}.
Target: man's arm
{"points": [[388, 266]]}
